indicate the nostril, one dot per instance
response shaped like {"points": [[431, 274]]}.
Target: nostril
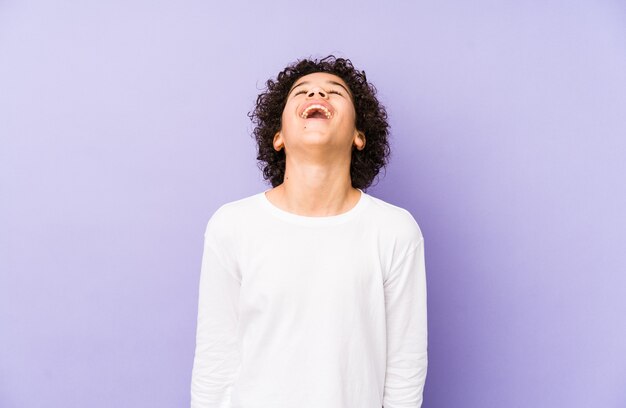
{"points": [[312, 93]]}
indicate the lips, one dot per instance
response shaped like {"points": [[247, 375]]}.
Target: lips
{"points": [[316, 110]]}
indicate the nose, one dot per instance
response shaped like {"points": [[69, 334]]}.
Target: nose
{"points": [[316, 90]]}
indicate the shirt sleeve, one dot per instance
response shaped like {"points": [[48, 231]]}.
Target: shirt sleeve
{"points": [[216, 359], [405, 309]]}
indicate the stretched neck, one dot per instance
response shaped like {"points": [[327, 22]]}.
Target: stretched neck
{"points": [[316, 188]]}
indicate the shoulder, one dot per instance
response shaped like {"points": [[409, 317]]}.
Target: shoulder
{"points": [[396, 220], [226, 218]]}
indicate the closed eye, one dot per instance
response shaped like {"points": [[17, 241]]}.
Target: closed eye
{"points": [[303, 91]]}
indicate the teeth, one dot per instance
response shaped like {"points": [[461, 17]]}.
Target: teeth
{"points": [[308, 110]]}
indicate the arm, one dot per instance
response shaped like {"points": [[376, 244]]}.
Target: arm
{"points": [[217, 355], [405, 308]]}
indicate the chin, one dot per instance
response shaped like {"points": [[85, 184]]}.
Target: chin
{"points": [[316, 139]]}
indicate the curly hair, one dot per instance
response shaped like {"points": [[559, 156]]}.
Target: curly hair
{"points": [[371, 119]]}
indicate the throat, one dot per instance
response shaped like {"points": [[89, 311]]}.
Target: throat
{"points": [[317, 115]]}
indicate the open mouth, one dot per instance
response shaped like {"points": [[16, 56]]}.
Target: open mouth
{"points": [[316, 111]]}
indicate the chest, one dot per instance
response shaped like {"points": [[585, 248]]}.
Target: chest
{"points": [[303, 267]]}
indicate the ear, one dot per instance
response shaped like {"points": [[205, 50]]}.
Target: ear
{"points": [[359, 140], [278, 141]]}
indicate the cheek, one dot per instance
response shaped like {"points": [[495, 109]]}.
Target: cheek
{"points": [[285, 118], [351, 117], [288, 110], [288, 123], [351, 111]]}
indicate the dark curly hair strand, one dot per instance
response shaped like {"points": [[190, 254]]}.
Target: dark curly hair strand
{"points": [[371, 119]]}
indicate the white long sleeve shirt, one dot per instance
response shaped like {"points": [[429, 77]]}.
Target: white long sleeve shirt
{"points": [[311, 312]]}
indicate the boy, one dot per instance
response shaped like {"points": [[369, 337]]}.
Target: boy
{"points": [[313, 293]]}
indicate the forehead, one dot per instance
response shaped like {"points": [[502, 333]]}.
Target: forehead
{"points": [[320, 78]]}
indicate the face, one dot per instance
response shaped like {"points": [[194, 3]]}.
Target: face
{"points": [[319, 112]]}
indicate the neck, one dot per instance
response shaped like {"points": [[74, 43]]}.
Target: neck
{"points": [[315, 189]]}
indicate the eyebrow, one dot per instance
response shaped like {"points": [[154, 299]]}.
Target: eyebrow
{"points": [[328, 82]]}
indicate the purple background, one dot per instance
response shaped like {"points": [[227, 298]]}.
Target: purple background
{"points": [[123, 127]]}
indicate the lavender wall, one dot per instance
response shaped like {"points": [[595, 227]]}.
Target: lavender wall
{"points": [[123, 127]]}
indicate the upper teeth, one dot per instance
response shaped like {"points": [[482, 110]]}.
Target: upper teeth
{"points": [[308, 110]]}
